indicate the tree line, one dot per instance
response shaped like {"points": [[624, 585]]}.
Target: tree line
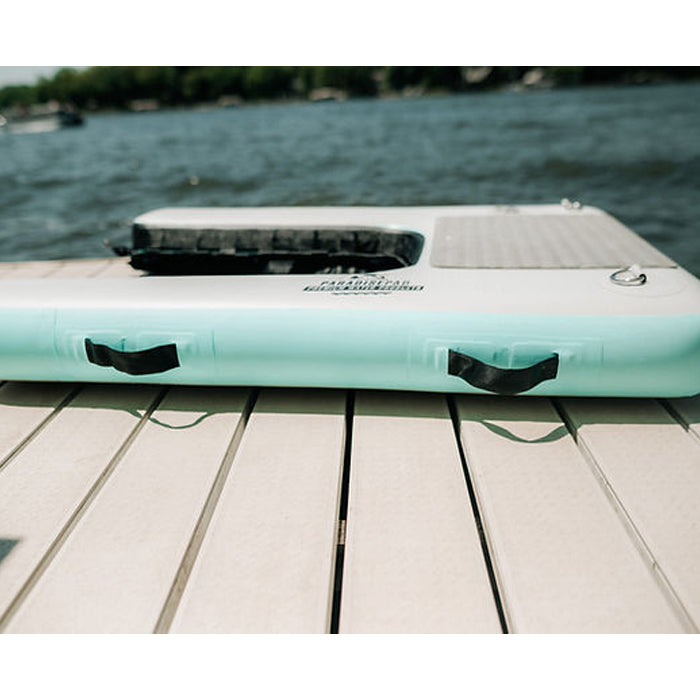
{"points": [[117, 87]]}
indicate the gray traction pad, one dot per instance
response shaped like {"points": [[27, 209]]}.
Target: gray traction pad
{"points": [[540, 241]]}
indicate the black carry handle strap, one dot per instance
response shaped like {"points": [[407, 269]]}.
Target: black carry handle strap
{"points": [[498, 380], [151, 361]]}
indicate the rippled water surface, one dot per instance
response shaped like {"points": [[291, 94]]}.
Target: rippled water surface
{"points": [[633, 151]]}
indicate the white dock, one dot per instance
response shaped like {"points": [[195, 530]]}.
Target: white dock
{"points": [[153, 509]]}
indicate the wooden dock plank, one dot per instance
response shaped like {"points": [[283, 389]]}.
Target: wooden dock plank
{"points": [[6, 268], [266, 562], [38, 268], [564, 559], [24, 406], [413, 561], [651, 466], [118, 267], [44, 484], [79, 268], [114, 572]]}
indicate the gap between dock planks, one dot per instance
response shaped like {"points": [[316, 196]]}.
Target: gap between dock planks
{"points": [[114, 570], [413, 560], [564, 559], [266, 561]]}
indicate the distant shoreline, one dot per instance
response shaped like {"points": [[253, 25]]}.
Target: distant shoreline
{"points": [[387, 96], [104, 89]]}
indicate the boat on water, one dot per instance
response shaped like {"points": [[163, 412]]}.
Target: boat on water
{"points": [[40, 118]]}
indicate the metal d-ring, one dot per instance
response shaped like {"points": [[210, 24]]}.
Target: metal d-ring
{"points": [[629, 277]]}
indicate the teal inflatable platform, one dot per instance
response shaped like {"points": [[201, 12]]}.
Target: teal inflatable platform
{"points": [[540, 300]]}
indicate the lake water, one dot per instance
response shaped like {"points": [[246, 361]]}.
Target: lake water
{"points": [[633, 151]]}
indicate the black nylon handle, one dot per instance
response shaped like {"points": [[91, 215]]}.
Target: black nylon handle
{"points": [[151, 361], [497, 379]]}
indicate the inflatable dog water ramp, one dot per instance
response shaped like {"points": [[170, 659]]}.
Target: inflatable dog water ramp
{"points": [[548, 300]]}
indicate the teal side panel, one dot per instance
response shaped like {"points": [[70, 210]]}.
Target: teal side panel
{"points": [[26, 345], [316, 348], [598, 356]]}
